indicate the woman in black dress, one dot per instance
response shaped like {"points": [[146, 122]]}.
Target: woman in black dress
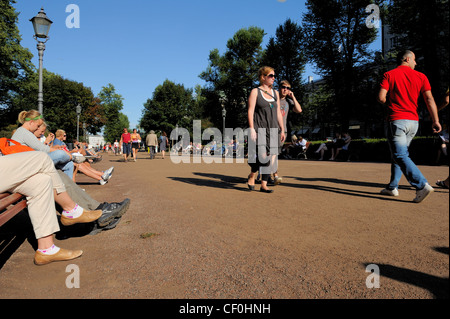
{"points": [[265, 121]]}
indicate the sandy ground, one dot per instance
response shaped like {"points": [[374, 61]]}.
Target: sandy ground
{"points": [[211, 238]]}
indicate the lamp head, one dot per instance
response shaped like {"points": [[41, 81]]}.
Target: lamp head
{"points": [[41, 24]]}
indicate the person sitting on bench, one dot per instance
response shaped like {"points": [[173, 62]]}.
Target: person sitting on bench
{"points": [[33, 175]]}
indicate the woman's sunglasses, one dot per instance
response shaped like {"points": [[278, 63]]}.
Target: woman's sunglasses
{"points": [[286, 87]]}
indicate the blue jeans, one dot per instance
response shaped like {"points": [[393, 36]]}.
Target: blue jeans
{"points": [[126, 148], [62, 161], [399, 135]]}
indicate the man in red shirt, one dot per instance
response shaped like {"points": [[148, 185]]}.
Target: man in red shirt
{"points": [[405, 85]]}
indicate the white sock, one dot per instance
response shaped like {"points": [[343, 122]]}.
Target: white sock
{"points": [[49, 251], [74, 213]]}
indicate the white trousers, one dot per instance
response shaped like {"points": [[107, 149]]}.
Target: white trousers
{"points": [[33, 175]]}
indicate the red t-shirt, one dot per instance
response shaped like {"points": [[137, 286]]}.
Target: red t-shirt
{"points": [[126, 138], [404, 85]]}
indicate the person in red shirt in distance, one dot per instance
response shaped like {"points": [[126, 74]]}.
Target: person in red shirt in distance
{"points": [[405, 85], [125, 143]]}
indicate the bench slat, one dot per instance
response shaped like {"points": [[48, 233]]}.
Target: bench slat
{"points": [[9, 199], [6, 200]]}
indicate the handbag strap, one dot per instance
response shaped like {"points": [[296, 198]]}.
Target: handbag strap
{"points": [[267, 93]]}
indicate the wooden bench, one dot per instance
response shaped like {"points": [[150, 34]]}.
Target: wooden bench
{"points": [[10, 206]]}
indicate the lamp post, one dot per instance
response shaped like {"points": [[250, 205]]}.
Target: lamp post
{"points": [[84, 131], [224, 111], [41, 25], [224, 114], [78, 121]]}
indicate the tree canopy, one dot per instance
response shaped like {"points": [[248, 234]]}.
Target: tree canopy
{"points": [[423, 27], [337, 41], [231, 76], [171, 105], [15, 61], [116, 121]]}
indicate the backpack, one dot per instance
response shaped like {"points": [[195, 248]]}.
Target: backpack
{"points": [[8, 146]]}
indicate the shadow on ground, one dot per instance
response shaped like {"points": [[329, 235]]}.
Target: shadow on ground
{"points": [[438, 286]]}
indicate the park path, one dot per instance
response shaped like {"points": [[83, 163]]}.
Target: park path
{"points": [[195, 231]]}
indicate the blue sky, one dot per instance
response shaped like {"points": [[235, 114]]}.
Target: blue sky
{"points": [[137, 44]]}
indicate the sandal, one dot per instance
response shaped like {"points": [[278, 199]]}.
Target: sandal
{"points": [[250, 187], [441, 184]]}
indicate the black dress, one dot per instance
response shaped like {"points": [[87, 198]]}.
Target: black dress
{"points": [[265, 117]]}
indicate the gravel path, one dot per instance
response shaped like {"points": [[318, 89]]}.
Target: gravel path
{"points": [[195, 231]]}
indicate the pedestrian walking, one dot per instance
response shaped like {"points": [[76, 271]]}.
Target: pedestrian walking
{"points": [[404, 85], [135, 143], [264, 119], [152, 141], [125, 144], [164, 141], [287, 101], [444, 183]]}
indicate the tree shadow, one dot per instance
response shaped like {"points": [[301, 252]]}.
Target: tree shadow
{"points": [[215, 181], [379, 186], [438, 286], [345, 182], [443, 250], [233, 182], [352, 192]]}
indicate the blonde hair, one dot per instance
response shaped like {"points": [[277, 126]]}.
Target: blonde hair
{"points": [[31, 115], [285, 82], [59, 133], [264, 71]]}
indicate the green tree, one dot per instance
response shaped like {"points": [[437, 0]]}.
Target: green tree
{"points": [[316, 107], [61, 98], [337, 40], [285, 54], [424, 29], [122, 122], [231, 76], [171, 105], [15, 62], [112, 103]]}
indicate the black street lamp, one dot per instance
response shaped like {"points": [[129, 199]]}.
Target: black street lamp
{"points": [[78, 109], [41, 25]]}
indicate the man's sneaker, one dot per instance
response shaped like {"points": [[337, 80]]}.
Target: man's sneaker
{"points": [[112, 224], [122, 207], [102, 182], [423, 193], [278, 180], [107, 174], [111, 211], [389, 192]]}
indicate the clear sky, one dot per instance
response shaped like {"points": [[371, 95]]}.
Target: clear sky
{"points": [[137, 44]]}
